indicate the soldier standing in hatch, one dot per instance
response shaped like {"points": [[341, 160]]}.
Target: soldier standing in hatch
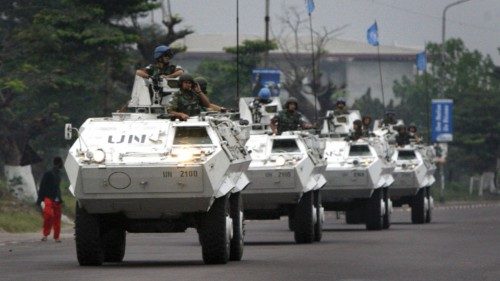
{"points": [[340, 107], [367, 121], [289, 119], [161, 66], [49, 198], [190, 100], [357, 132]]}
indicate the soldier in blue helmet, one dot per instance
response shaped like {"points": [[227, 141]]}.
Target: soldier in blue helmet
{"points": [[161, 65]]}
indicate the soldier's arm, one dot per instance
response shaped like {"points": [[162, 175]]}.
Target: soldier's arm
{"points": [[172, 109], [142, 73], [273, 125]]}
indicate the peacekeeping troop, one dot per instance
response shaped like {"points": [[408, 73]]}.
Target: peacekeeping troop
{"points": [[357, 132], [367, 121], [402, 138], [412, 133], [389, 118], [340, 107], [190, 100], [161, 66], [289, 119]]}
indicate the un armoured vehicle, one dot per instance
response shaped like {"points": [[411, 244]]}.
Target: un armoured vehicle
{"points": [[358, 173], [413, 175], [285, 177], [141, 172]]}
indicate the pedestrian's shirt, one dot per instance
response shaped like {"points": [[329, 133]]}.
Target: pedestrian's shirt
{"points": [[153, 70], [288, 121], [49, 186], [186, 102]]}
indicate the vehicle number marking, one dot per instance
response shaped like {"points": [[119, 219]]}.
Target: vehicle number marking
{"points": [[284, 174], [188, 174], [167, 174], [359, 174]]}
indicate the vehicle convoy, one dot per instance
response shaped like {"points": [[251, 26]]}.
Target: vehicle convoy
{"points": [[142, 172], [358, 173], [285, 178]]}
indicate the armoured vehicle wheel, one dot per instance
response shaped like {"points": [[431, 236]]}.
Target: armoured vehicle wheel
{"points": [[428, 215], [354, 216], [418, 207], [236, 211], [89, 250], [214, 233], [387, 214], [373, 211], [291, 215], [318, 226], [113, 241], [304, 219]]}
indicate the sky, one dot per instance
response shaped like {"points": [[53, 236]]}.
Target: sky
{"points": [[406, 23]]}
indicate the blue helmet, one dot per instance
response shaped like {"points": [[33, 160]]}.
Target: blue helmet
{"points": [[162, 50], [264, 93]]}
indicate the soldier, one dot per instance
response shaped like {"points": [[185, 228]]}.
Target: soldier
{"points": [[357, 132], [203, 83], [412, 133], [402, 138], [367, 121], [340, 107], [289, 119], [190, 100], [161, 66], [389, 118]]}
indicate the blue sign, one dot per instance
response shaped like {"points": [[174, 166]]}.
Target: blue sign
{"points": [[442, 120], [266, 77]]}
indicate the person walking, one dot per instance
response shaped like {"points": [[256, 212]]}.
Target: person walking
{"points": [[49, 198]]}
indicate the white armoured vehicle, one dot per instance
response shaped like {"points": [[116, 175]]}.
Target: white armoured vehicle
{"points": [[142, 172], [285, 177], [358, 173], [259, 114], [413, 177]]}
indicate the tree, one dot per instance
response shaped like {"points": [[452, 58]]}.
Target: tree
{"points": [[469, 79], [56, 57]]}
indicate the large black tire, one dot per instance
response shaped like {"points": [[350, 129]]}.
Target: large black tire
{"points": [[318, 226], [418, 207], [114, 240], [373, 211], [386, 223], [291, 216], [428, 215], [354, 216], [236, 212], [304, 219], [89, 249], [215, 242]]}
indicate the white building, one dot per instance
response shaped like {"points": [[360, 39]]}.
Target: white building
{"points": [[349, 63]]}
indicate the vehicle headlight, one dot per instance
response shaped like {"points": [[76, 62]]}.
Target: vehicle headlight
{"points": [[95, 155]]}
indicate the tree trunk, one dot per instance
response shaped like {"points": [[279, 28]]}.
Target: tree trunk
{"points": [[20, 182]]}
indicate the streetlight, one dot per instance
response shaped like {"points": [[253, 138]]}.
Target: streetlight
{"points": [[441, 82], [441, 92]]}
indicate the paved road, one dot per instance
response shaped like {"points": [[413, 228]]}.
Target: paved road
{"points": [[463, 243]]}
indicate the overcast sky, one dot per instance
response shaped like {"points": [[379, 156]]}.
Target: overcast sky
{"points": [[401, 22]]}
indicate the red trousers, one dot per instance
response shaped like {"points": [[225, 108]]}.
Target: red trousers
{"points": [[51, 217]]}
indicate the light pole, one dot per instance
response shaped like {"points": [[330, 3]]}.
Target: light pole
{"points": [[441, 82]]}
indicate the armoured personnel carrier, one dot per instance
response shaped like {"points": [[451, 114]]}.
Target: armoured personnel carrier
{"points": [[141, 172], [413, 175], [358, 173], [285, 177]]}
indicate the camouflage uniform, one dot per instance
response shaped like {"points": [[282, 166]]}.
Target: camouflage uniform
{"points": [[342, 111], [153, 70], [288, 121], [186, 102]]}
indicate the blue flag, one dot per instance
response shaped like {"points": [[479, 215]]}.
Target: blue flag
{"points": [[372, 35], [310, 6], [421, 61]]}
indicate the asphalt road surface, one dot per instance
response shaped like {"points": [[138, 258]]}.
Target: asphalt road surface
{"points": [[462, 243]]}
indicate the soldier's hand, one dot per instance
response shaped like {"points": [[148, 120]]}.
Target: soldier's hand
{"points": [[183, 116]]}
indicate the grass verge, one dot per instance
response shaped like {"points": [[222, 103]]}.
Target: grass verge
{"points": [[17, 216]]}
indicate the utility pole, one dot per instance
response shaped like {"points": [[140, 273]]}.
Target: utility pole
{"points": [[441, 80], [267, 19]]}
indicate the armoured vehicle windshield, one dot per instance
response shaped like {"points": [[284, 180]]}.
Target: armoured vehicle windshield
{"points": [[359, 150], [191, 135], [406, 155], [285, 146]]}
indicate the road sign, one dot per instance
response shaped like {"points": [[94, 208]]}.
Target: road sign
{"points": [[442, 120]]}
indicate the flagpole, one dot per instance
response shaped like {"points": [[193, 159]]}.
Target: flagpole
{"points": [[313, 84], [237, 52], [380, 72]]}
